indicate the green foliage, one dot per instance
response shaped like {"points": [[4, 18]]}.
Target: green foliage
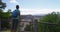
{"points": [[5, 20], [50, 18], [29, 27], [4, 16], [2, 5]]}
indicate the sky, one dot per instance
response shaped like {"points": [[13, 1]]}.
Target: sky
{"points": [[34, 6]]}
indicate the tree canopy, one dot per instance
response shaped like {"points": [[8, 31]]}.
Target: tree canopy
{"points": [[4, 16], [52, 23], [2, 5]]}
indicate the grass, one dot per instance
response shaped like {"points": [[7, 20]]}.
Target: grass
{"points": [[7, 31]]}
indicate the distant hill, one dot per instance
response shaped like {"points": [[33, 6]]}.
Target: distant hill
{"points": [[30, 16]]}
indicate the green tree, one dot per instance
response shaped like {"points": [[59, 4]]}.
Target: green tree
{"points": [[2, 6], [5, 20], [50, 23], [4, 16]]}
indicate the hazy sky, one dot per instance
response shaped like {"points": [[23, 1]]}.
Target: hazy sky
{"points": [[34, 6]]}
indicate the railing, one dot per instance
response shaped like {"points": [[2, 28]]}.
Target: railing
{"points": [[34, 26]]}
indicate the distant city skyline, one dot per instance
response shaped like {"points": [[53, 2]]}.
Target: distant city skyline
{"points": [[34, 6]]}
